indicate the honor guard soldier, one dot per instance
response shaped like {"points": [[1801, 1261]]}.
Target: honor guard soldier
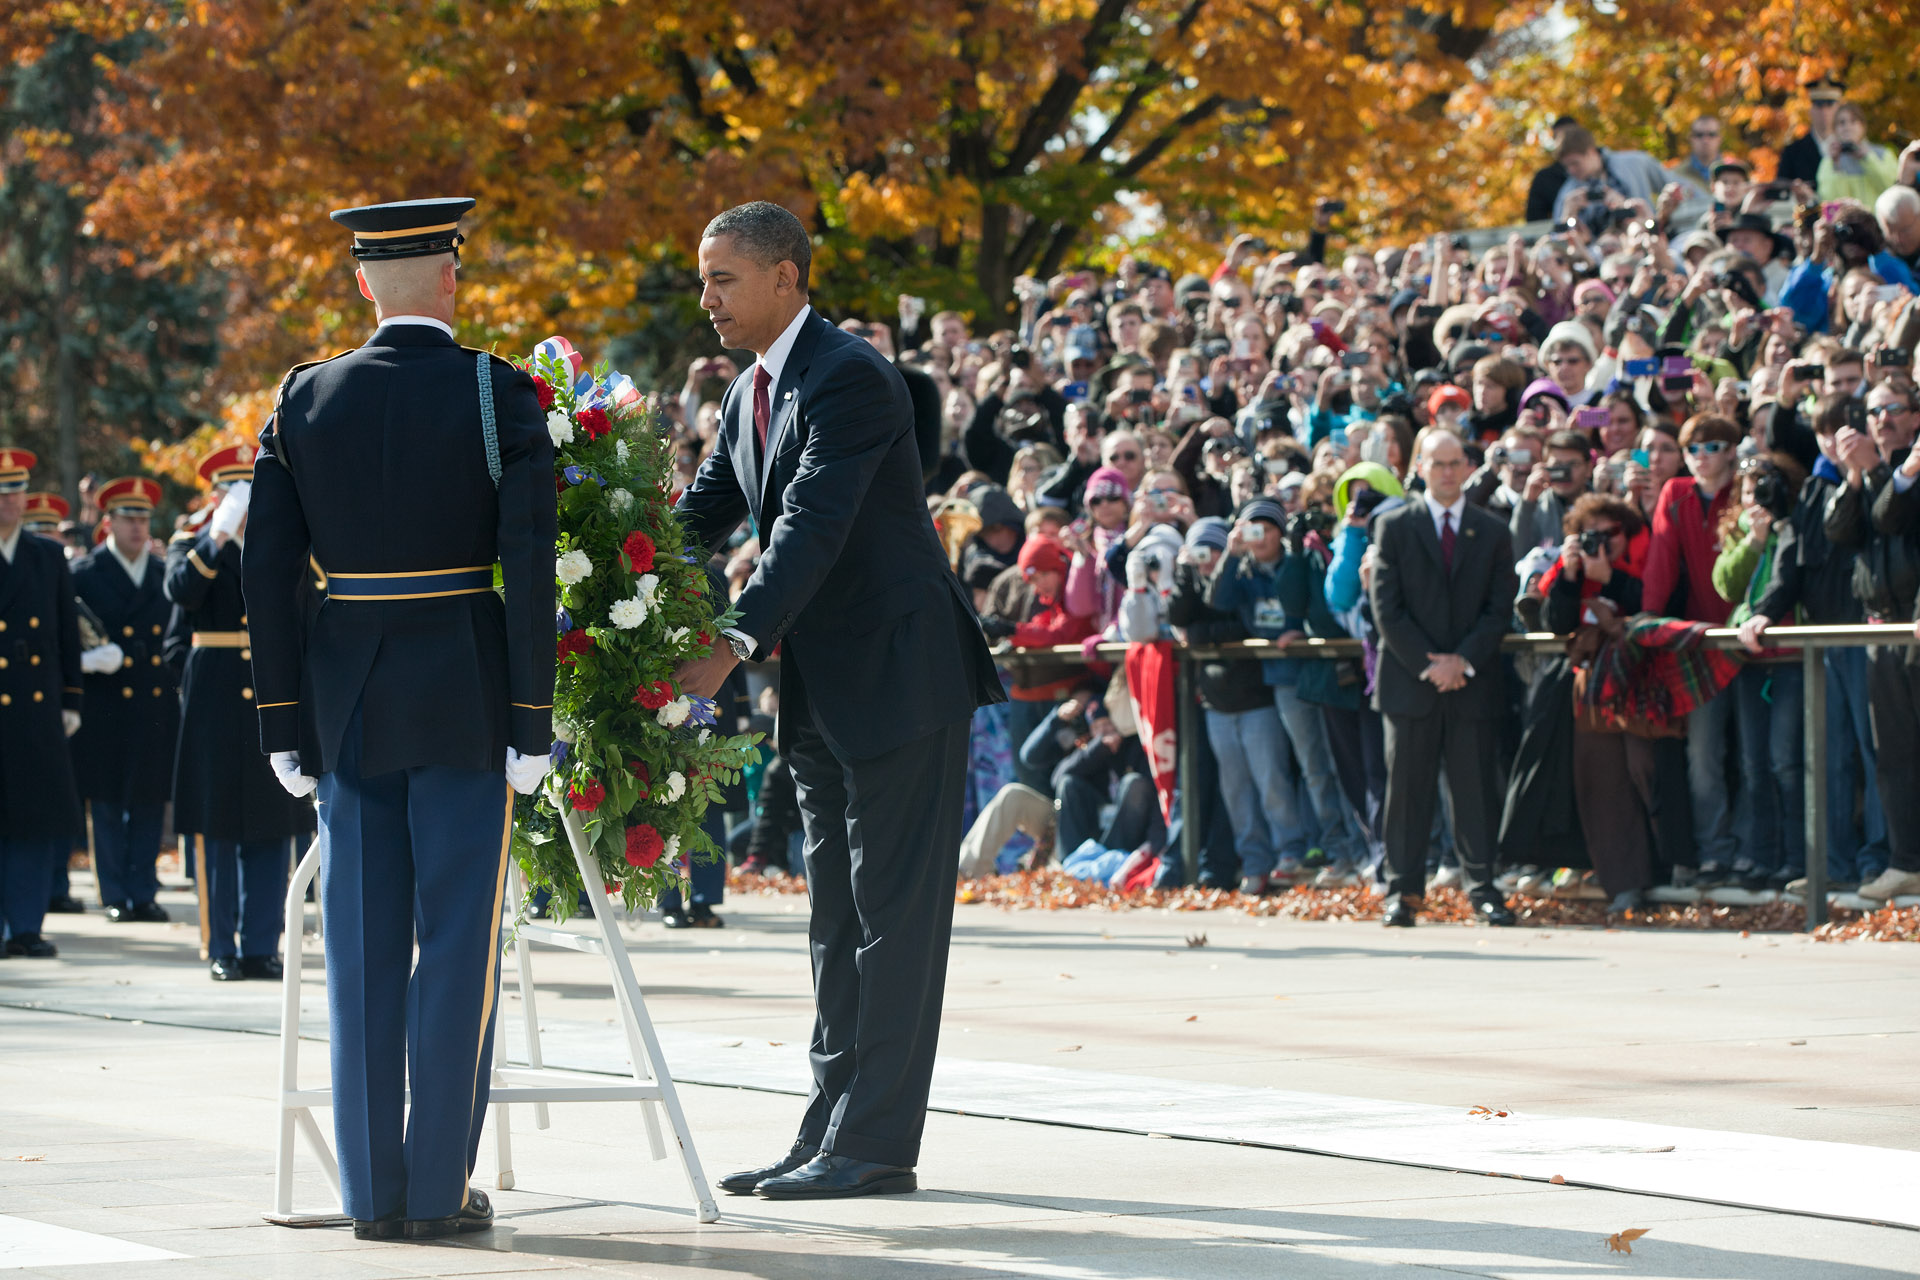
{"points": [[44, 513], [40, 699], [123, 754], [406, 469], [230, 812]]}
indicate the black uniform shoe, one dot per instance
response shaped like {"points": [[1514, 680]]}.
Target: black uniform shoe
{"points": [[66, 905], [148, 913], [225, 969], [742, 1184], [32, 946], [1494, 912], [119, 913], [831, 1177], [697, 916], [390, 1228], [1400, 913], [475, 1215], [265, 967]]}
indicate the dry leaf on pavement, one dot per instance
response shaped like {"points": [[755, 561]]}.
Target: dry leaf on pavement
{"points": [[1622, 1241], [1487, 1113], [1196, 939]]}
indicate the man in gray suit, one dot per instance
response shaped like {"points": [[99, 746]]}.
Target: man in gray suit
{"points": [[1443, 588]]}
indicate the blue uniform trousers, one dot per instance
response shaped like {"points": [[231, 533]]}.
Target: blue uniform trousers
{"points": [[126, 844], [412, 852], [706, 880], [26, 876], [245, 890]]}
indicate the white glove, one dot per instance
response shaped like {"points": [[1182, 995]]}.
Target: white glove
{"points": [[232, 511], [286, 767], [101, 659], [70, 720], [524, 772]]}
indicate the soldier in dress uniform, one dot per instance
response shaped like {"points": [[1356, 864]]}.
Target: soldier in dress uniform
{"points": [[40, 699], [230, 812], [44, 513], [123, 754], [406, 469]]}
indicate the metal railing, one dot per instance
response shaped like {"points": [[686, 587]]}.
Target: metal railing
{"points": [[1810, 641]]}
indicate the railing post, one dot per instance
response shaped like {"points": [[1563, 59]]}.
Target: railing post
{"points": [[1813, 698], [1186, 724]]}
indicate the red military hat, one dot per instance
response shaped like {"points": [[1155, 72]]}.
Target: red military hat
{"points": [[228, 465], [14, 466], [129, 496], [45, 510]]}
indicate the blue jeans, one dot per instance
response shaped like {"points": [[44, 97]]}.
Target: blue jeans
{"points": [[1772, 776], [1135, 816], [1022, 719], [246, 889], [126, 843], [1307, 732], [1708, 728], [1853, 855], [1251, 748]]}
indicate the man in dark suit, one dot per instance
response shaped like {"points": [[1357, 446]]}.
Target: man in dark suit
{"points": [[1443, 588], [123, 754], [1800, 159], [40, 696], [406, 469], [882, 667]]}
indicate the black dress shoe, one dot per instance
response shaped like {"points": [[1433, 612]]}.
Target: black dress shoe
{"points": [[119, 913], [32, 946], [388, 1228], [267, 968], [225, 969], [66, 905], [742, 1184], [1495, 913], [148, 913], [1401, 914], [831, 1177], [475, 1215], [697, 916]]}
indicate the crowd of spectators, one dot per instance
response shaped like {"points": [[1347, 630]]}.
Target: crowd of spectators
{"points": [[1688, 396]]}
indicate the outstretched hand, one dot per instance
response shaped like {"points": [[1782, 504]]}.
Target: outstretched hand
{"points": [[703, 677]]}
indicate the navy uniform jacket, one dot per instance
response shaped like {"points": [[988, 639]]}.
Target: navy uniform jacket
{"points": [[123, 753], [39, 678], [374, 462], [852, 579], [222, 787]]}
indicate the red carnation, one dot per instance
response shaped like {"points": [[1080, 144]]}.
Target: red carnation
{"points": [[573, 643], [654, 696], [613, 887], [706, 641], [639, 549], [644, 846], [545, 392], [593, 422], [640, 773], [588, 800]]}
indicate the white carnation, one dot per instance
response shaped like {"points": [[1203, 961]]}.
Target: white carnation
{"points": [[573, 567], [628, 614], [705, 736], [676, 634], [676, 786], [560, 427], [672, 850], [674, 714], [621, 452], [620, 499], [564, 732]]}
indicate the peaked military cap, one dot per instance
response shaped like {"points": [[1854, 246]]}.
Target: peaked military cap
{"points": [[224, 466], [14, 466], [45, 511], [405, 228], [129, 496]]}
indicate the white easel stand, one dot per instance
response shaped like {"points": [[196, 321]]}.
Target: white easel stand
{"points": [[534, 1083]]}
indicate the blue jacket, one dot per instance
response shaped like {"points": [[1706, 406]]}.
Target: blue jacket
{"points": [[1809, 286], [1243, 586], [1343, 574], [1303, 590]]}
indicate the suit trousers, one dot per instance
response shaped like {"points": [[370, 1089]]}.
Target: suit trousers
{"points": [[26, 872], [246, 890], [126, 845], [881, 873], [1416, 748], [412, 852], [1893, 684]]}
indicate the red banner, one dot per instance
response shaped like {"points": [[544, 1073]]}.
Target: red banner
{"points": [[1150, 685]]}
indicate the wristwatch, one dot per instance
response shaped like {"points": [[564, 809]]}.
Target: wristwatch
{"points": [[741, 645]]}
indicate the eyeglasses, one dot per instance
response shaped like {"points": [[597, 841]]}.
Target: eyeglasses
{"points": [[1608, 531], [1706, 133], [1094, 500], [1129, 456], [1888, 410], [1706, 448]]}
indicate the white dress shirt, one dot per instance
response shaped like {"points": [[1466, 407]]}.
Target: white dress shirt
{"points": [[775, 361], [1457, 510], [11, 543], [136, 568], [441, 325]]}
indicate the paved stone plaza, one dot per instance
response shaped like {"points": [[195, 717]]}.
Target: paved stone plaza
{"points": [[137, 1108]]}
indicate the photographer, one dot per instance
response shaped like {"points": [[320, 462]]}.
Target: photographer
{"points": [[702, 373], [1553, 485], [1834, 244], [1813, 582], [1598, 179], [1770, 693], [1853, 168], [1589, 591], [1498, 483]]}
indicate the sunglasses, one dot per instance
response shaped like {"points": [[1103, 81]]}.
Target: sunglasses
{"points": [[1887, 410], [1105, 497], [1707, 448], [1128, 456], [1608, 531]]}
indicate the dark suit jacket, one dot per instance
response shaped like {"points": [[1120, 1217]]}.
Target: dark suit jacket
{"points": [[374, 463], [1419, 608], [1799, 160], [852, 579]]}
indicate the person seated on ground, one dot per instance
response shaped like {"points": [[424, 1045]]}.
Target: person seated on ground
{"points": [[1018, 809], [1102, 788]]}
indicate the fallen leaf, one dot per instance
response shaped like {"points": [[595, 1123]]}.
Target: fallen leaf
{"points": [[1622, 1241], [29, 1159], [1071, 1048], [1557, 1180], [1067, 976], [776, 1043], [731, 1044], [1193, 1017], [1486, 1113], [1196, 939]]}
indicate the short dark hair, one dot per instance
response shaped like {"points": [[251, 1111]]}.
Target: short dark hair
{"points": [[1845, 355], [1576, 141], [1570, 442], [767, 233]]}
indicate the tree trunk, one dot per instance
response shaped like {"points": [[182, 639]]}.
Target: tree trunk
{"points": [[990, 266], [66, 399]]}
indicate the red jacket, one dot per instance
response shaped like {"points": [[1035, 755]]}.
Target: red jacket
{"points": [[1051, 625], [1686, 541]]}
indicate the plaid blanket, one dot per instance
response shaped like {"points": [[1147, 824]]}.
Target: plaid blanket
{"points": [[1653, 675]]}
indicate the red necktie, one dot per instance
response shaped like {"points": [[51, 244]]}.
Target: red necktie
{"points": [[1446, 539], [762, 413]]}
